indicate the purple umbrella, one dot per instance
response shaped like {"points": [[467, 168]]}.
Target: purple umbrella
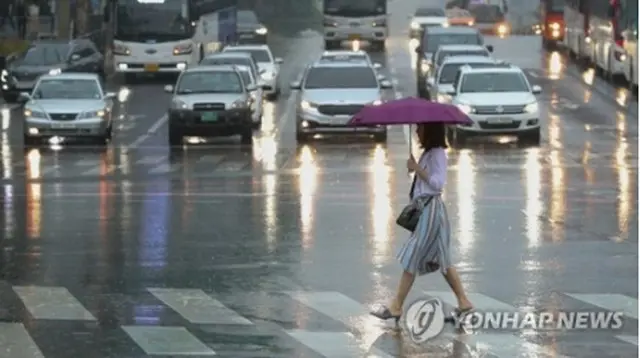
{"points": [[409, 111]]}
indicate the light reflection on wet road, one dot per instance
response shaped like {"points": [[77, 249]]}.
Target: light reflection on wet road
{"points": [[299, 240]]}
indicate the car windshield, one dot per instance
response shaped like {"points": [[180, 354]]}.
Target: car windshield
{"points": [[487, 13], [226, 61], [209, 82], [444, 54], [450, 70], [341, 77], [44, 55], [247, 17], [493, 82], [430, 12], [246, 77], [67, 89], [258, 55], [558, 6], [434, 41]]}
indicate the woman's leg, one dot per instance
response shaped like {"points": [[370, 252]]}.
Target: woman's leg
{"points": [[453, 279], [406, 282]]}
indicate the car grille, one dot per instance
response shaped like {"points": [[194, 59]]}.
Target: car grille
{"points": [[63, 116], [208, 107], [512, 125], [338, 110], [496, 109]]}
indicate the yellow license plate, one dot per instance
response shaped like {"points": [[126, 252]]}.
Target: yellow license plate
{"points": [[354, 37], [151, 67]]}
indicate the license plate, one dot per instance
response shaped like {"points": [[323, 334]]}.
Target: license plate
{"points": [[63, 126], [355, 24], [246, 36], [500, 120], [209, 116], [354, 37], [151, 67]]}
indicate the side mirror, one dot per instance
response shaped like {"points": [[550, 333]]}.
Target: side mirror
{"points": [[75, 57], [536, 89], [295, 85], [168, 88], [111, 95], [381, 77], [490, 48], [24, 97], [279, 60], [377, 66], [251, 88], [385, 84]]}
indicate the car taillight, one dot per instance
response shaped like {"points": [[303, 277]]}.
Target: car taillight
{"points": [[620, 42]]}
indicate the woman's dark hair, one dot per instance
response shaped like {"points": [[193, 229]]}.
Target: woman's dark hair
{"points": [[434, 135]]}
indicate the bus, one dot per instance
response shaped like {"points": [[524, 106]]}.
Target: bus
{"points": [[629, 10], [594, 33], [355, 20], [552, 23]]}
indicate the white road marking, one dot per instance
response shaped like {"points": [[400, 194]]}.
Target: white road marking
{"points": [[16, 342], [533, 74], [197, 307], [54, 303], [610, 302], [481, 302], [284, 119], [334, 344], [136, 142], [504, 345], [629, 339], [168, 341], [159, 123]]}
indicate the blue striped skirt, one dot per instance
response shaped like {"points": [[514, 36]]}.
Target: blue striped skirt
{"points": [[428, 248]]}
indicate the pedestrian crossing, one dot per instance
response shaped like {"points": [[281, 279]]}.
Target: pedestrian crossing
{"points": [[319, 324], [329, 158]]}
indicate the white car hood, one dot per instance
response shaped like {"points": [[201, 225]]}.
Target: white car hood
{"points": [[226, 98], [341, 96], [267, 67], [65, 105], [496, 98], [424, 20]]}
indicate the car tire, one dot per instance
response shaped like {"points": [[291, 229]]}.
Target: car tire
{"points": [[29, 141], [246, 137], [10, 97], [380, 137], [302, 138], [531, 138], [175, 138]]}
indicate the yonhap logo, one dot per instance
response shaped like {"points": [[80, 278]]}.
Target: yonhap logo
{"points": [[425, 319]]}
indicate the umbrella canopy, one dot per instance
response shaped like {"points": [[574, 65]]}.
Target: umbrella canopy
{"points": [[409, 111]]}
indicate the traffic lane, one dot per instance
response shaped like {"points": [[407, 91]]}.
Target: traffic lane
{"points": [[248, 240]]}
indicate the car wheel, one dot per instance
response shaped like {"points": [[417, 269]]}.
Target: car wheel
{"points": [[246, 137], [531, 138], [29, 141], [302, 138], [175, 138], [10, 97], [380, 137]]}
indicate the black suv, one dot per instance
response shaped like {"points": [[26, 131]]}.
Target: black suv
{"points": [[48, 57], [432, 39]]}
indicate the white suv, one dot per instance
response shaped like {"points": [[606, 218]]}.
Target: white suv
{"points": [[499, 101]]}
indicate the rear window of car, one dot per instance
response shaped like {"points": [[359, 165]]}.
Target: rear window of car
{"points": [[431, 42], [442, 55], [430, 12]]}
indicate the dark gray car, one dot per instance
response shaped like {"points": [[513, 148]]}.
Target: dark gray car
{"points": [[48, 57], [250, 30]]}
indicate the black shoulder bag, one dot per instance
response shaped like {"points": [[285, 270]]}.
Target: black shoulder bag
{"points": [[410, 215]]}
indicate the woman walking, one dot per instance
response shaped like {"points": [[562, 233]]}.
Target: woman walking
{"points": [[428, 248]]}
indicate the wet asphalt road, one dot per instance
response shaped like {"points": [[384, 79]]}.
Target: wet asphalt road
{"points": [[276, 250]]}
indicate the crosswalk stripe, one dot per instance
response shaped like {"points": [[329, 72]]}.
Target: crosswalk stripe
{"points": [[230, 166], [629, 339], [169, 341], [16, 342], [332, 304], [480, 302], [335, 344], [505, 345], [198, 307], [52, 303], [610, 302], [164, 168], [150, 159]]}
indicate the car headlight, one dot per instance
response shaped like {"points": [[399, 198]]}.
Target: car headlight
{"points": [[503, 29], [121, 50], [178, 104], [554, 26], [531, 107], [239, 104], [34, 114], [307, 105], [55, 71], [4, 76], [92, 114], [377, 102], [465, 108], [261, 31], [425, 66], [183, 49], [415, 26]]}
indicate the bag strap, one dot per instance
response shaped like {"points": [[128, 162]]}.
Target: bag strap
{"points": [[413, 186]]}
